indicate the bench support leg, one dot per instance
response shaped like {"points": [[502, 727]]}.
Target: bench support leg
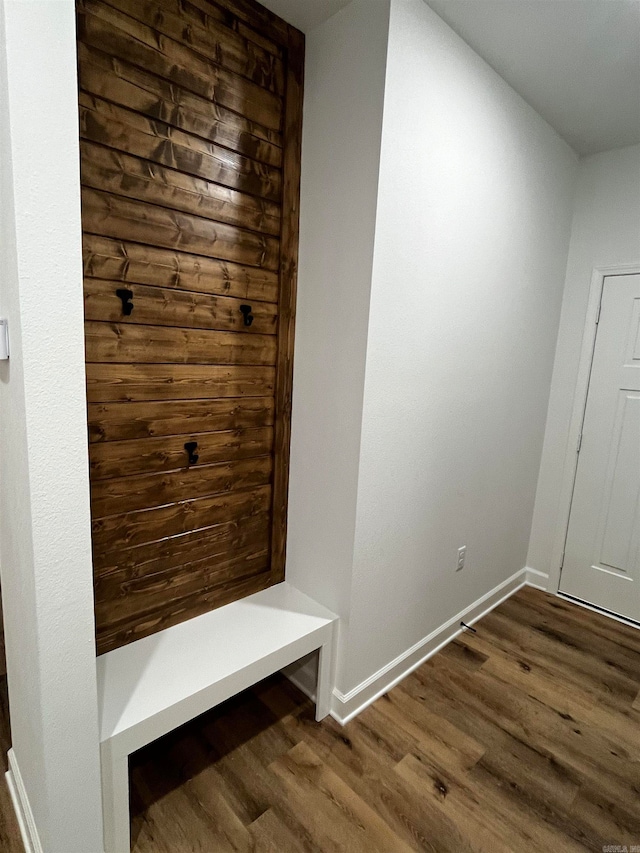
{"points": [[324, 685], [115, 800]]}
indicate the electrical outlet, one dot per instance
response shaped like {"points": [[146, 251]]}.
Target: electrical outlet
{"points": [[462, 554]]}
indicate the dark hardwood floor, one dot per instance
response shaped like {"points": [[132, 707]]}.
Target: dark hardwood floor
{"points": [[522, 737], [10, 841]]}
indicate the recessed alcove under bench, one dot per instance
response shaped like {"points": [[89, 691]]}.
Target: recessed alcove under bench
{"points": [[155, 684]]}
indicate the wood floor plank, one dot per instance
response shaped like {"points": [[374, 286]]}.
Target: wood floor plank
{"points": [[551, 690], [368, 769], [330, 810], [10, 839], [270, 834], [493, 708], [568, 662], [434, 735], [460, 757], [608, 657]]}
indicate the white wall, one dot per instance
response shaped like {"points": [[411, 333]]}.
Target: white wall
{"points": [[45, 558], [344, 89], [474, 211], [605, 232]]}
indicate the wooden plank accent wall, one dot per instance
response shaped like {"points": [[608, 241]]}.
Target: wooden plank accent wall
{"points": [[190, 126]]}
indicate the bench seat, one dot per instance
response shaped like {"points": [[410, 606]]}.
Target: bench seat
{"points": [[155, 684]]}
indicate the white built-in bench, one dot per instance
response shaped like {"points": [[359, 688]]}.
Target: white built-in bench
{"points": [[153, 685]]}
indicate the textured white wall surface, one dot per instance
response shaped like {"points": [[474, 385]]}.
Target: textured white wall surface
{"points": [[605, 233], [474, 212], [45, 547], [344, 89]]}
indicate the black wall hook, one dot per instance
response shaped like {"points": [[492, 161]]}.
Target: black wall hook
{"points": [[191, 447], [246, 313], [126, 295]]}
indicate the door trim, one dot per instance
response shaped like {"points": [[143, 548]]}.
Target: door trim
{"points": [[581, 389]]}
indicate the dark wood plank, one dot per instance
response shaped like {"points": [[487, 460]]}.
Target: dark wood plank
{"points": [[211, 15], [132, 344], [129, 529], [165, 307], [113, 636], [559, 616], [121, 421], [129, 86], [108, 383], [287, 300], [119, 35], [218, 540], [142, 491], [160, 143], [121, 598], [126, 219], [132, 177], [130, 263], [185, 167], [257, 16], [226, 47], [459, 652], [166, 453], [215, 15]]}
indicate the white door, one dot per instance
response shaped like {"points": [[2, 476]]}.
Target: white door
{"points": [[602, 554]]}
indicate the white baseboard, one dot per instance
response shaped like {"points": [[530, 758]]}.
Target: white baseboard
{"points": [[21, 806], [537, 578], [346, 706]]}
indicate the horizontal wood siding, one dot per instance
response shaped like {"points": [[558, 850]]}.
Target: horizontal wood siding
{"points": [[190, 114]]}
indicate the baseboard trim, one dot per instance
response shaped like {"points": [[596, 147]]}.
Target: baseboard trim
{"points": [[536, 578], [21, 806], [346, 706]]}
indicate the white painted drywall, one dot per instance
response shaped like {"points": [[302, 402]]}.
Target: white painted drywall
{"points": [[344, 89], [605, 233], [473, 223], [45, 548]]}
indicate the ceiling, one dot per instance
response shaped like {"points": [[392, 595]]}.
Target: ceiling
{"points": [[576, 62]]}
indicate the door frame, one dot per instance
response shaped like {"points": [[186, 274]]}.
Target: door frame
{"points": [[570, 466]]}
